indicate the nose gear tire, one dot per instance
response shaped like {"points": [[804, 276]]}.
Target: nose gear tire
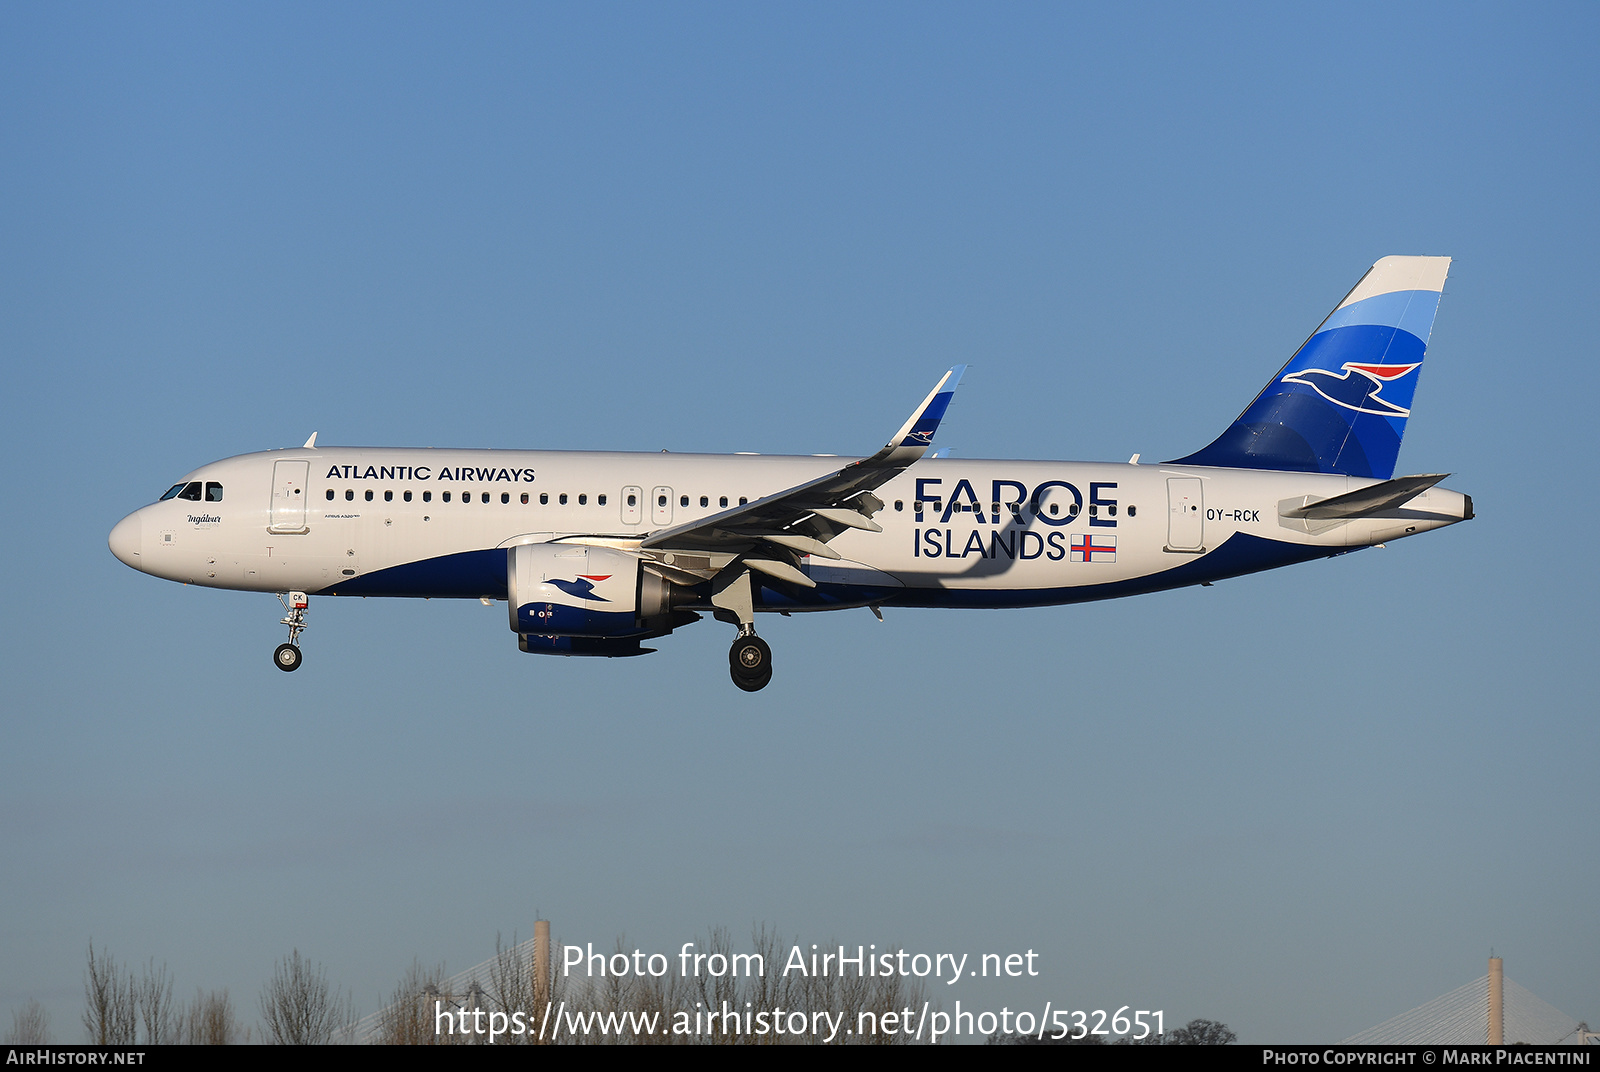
{"points": [[286, 658]]}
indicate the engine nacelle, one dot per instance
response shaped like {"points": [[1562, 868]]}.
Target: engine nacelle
{"points": [[598, 647], [574, 590]]}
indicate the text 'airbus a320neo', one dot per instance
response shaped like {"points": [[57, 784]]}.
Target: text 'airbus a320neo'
{"points": [[595, 553]]}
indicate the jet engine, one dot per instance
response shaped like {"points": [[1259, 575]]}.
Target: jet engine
{"points": [[561, 590]]}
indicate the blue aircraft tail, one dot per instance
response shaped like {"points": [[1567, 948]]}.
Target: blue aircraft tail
{"points": [[1340, 404]]}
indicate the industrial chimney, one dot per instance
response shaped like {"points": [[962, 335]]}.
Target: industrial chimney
{"points": [[541, 961]]}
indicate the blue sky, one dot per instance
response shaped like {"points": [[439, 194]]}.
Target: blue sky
{"points": [[1299, 802]]}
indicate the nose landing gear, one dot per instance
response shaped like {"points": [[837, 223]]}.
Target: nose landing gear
{"points": [[287, 656]]}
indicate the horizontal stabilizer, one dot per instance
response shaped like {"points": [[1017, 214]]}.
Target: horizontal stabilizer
{"points": [[1368, 501]]}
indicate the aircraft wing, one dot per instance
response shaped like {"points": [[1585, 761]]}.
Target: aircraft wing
{"points": [[770, 532]]}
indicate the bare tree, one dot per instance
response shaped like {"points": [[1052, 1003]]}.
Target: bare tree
{"points": [[30, 1026], [638, 1007], [513, 981], [300, 1008], [1193, 1033], [656, 997], [211, 1021], [517, 983], [408, 1019], [163, 1021], [111, 1012], [843, 994], [1202, 1033]]}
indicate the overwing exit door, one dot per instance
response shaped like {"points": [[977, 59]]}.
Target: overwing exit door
{"points": [[660, 506]]}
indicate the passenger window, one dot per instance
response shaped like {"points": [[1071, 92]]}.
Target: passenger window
{"points": [[723, 502], [330, 494], [899, 504], [742, 500], [486, 496], [524, 498], [1133, 511], [191, 491], [388, 496], [683, 500], [705, 500], [214, 491], [563, 498], [445, 496], [917, 506], [1094, 510], [427, 496], [661, 500], [544, 498], [1112, 510], [633, 500], [505, 496], [583, 500], [172, 493], [1055, 508], [369, 495], [349, 495], [407, 496], [601, 499], [1073, 509]]}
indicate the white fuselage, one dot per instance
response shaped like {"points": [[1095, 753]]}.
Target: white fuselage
{"points": [[419, 522]]}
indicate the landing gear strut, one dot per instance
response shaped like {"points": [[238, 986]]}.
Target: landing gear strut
{"points": [[287, 656], [750, 662]]}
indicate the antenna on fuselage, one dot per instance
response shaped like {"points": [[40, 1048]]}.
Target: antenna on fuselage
{"points": [[311, 444]]}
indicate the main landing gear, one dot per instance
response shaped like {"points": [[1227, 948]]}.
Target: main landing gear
{"points": [[287, 656], [750, 662]]}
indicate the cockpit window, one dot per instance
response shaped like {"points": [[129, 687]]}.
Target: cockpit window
{"points": [[213, 491], [172, 492], [190, 491]]}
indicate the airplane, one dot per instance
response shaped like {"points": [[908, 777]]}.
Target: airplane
{"points": [[595, 553]]}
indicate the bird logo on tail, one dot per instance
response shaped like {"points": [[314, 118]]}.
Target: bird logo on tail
{"points": [[1357, 387]]}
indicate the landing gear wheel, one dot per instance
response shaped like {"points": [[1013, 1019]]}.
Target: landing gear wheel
{"points": [[755, 684], [750, 663], [286, 658]]}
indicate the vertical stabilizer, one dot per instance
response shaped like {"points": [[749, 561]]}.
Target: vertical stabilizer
{"points": [[1340, 404]]}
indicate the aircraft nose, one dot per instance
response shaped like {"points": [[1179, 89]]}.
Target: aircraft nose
{"points": [[126, 538]]}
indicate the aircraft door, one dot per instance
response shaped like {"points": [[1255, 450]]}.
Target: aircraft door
{"points": [[289, 480], [1185, 514], [632, 505], [661, 506]]}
